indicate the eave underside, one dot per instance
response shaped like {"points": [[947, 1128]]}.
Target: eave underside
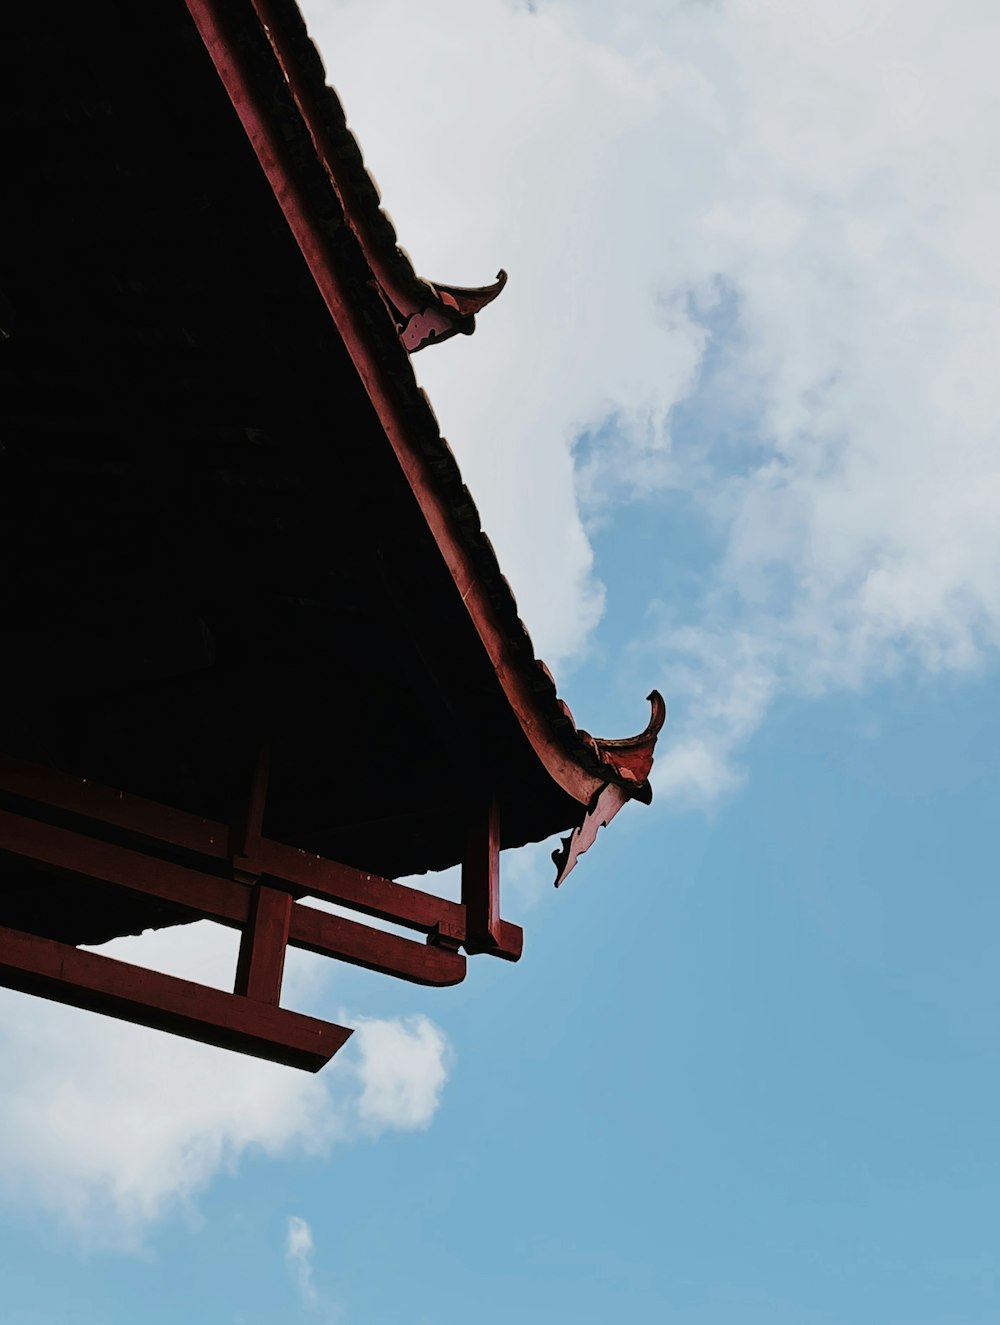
{"points": [[212, 547]]}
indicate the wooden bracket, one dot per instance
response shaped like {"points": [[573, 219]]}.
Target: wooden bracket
{"points": [[446, 934]]}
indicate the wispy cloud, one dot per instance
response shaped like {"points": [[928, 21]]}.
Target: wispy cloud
{"points": [[299, 1250]]}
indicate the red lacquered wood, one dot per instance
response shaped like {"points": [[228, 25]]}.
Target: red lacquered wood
{"points": [[368, 893], [261, 961], [223, 900], [481, 880], [149, 998]]}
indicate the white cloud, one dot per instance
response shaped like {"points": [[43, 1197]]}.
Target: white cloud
{"points": [[780, 213], [402, 1066], [526, 876], [109, 1127], [299, 1250], [503, 157]]}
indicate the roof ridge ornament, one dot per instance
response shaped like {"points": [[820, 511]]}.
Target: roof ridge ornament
{"points": [[631, 758], [468, 300], [453, 312], [450, 309]]}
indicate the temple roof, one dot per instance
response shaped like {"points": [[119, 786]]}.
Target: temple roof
{"points": [[426, 312], [230, 511]]}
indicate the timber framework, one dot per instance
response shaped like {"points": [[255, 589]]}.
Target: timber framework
{"points": [[258, 650]]}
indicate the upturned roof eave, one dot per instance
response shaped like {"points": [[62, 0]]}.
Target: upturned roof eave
{"points": [[361, 289], [424, 312]]}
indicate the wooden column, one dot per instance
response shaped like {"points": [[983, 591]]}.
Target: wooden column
{"points": [[261, 961], [481, 879]]}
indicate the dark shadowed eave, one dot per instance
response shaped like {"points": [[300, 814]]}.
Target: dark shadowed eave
{"points": [[383, 311]]}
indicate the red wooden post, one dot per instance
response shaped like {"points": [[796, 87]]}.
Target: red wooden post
{"points": [[481, 879], [261, 961]]}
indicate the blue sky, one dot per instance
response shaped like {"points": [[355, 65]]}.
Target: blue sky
{"points": [[747, 1070]]}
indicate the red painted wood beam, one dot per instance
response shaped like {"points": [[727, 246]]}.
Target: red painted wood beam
{"points": [[361, 945], [376, 896], [224, 900], [92, 800], [97, 983], [369, 893]]}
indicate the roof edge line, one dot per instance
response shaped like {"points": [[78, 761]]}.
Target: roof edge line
{"points": [[425, 312], [581, 773]]}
